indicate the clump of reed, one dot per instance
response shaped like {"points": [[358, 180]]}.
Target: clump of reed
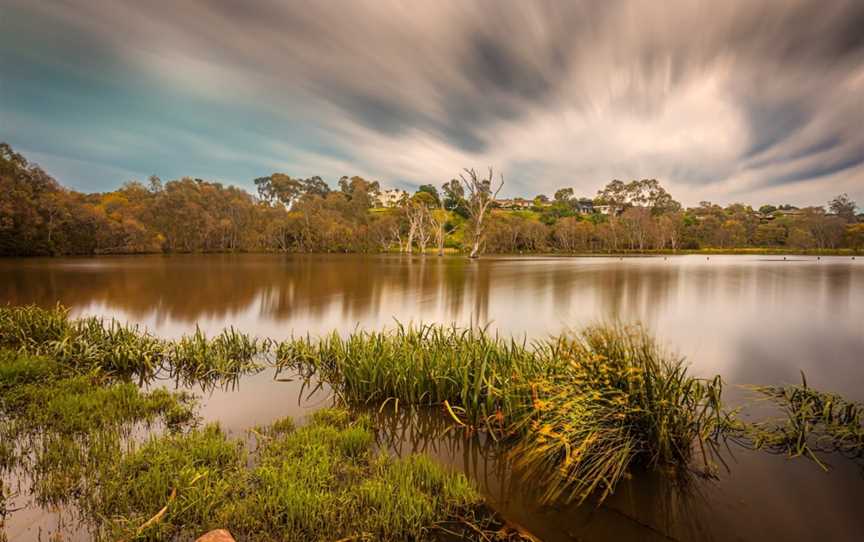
{"points": [[812, 422], [621, 402], [476, 373], [85, 344], [196, 359], [94, 345]]}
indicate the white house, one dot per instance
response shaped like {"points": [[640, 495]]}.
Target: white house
{"points": [[603, 209], [391, 197]]}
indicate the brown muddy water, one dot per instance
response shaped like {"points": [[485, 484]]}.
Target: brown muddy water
{"points": [[751, 319]]}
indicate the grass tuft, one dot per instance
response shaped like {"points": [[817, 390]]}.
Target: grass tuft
{"points": [[620, 402]]}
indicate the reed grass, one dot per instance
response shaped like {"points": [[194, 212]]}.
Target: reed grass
{"points": [[578, 412], [84, 345], [621, 402], [477, 374], [94, 345], [195, 359]]}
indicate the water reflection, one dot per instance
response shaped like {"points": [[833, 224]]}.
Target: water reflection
{"points": [[761, 497], [750, 319], [723, 314]]}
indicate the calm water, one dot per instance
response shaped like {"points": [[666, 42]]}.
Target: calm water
{"points": [[750, 319]]}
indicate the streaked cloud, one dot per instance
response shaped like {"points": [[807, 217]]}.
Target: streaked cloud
{"points": [[737, 100]]}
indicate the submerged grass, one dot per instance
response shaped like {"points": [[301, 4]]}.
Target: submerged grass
{"points": [[94, 345], [322, 481], [72, 420], [57, 425], [578, 414], [812, 422]]}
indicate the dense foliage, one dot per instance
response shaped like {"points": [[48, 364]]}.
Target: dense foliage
{"points": [[38, 216]]}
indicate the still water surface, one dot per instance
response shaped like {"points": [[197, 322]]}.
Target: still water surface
{"points": [[751, 319]]}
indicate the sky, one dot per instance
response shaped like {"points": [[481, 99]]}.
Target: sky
{"points": [[755, 101]]}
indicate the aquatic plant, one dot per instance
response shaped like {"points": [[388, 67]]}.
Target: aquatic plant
{"points": [[478, 375], [95, 345], [812, 422], [195, 359], [56, 425], [321, 481], [620, 402], [172, 483], [84, 345], [580, 411]]}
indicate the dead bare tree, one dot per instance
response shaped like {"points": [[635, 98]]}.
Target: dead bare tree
{"points": [[481, 194], [424, 231], [439, 219], [420, 221]]}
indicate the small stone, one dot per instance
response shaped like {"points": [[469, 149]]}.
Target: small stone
{"points": [[217, 535]]}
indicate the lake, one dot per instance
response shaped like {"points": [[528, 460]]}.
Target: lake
{"points": [[751, 319]]}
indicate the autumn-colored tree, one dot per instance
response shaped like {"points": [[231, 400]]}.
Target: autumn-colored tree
{"points": [[40, 217]]}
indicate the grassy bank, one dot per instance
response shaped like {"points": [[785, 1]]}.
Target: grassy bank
{"points": [[707, 251]]}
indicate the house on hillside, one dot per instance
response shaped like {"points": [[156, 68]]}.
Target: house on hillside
{"points": [[603, 209], [391, 197], [584, 206], [514, 204], [788, 212]]}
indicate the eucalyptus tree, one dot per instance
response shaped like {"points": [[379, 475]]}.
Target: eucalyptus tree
{"points": [[844, 207], [418, 211], [480, 193]]}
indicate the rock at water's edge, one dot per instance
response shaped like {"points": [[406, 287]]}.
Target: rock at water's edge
{"points": [[217, 535]]}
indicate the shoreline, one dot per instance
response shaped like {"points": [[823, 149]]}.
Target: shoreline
{"points": [[752, 251]]}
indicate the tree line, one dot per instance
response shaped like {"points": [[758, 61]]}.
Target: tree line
{"points": [[38, 216]]}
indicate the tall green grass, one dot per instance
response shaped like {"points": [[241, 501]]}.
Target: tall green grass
{"points": [[94, 345], [579, 411], [87, 344], [479, 375], [197, 359]]}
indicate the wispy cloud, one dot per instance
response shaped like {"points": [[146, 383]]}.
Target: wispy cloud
{"points": [[733, 100]]}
